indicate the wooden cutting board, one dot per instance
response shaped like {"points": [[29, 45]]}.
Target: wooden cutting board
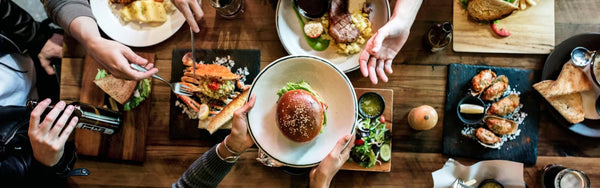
{"points": [[129, 143], [388, 97], [532, 31]]}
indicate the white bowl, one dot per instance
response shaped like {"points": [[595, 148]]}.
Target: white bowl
{"points": [[330, 82]]}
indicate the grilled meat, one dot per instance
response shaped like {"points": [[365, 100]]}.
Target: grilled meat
{"points": [[340, 23], [121, 1]]}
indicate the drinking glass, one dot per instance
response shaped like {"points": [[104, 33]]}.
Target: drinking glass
{"points": [[228, 8]]}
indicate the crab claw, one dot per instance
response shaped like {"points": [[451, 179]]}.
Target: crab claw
{"points": [[190, 102], [242, 86], [187, 59], [190, 87]]}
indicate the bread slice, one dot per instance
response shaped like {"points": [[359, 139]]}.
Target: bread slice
{"points": [[119, 89], [543, 87], [569, 106], [490, 10], [570, 80], [226, 114]]}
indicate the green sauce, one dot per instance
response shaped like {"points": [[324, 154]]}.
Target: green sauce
{"points": [[371, 105]]}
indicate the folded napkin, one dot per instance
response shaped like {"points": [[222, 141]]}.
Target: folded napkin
{"points": [[508, 173]]}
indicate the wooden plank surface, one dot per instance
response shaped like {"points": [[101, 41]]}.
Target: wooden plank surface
{"points": [[409, 170], [388, 97], [532, 31], [419, 78]]}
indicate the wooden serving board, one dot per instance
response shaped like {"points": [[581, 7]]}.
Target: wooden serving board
{"points": [[129, 143], [532, 31], [388, 97]]}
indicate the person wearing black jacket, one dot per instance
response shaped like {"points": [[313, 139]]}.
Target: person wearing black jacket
{"points": [[31, 151]]}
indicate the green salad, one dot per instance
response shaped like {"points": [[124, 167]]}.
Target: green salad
{"points": [[372, 142]]}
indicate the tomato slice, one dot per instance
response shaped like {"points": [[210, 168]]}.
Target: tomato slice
{"points": [[359, 142], [500, 32], [214, 85]]}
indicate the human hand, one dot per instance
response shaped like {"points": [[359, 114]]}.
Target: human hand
{"points": [[47, 141], [52, 49], [381, 49], [322, 175], [192, 12], [239, 140], [115, 58]]}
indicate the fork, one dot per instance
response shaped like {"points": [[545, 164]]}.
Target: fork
{"points": [[458, 183], [176, 87]]}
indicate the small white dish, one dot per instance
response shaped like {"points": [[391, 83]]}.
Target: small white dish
{"points": [[133, 33], [292, 38], [330, 82]]}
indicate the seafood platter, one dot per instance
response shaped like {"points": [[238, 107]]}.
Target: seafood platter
{"points": [[219, 85], [491, 113]]}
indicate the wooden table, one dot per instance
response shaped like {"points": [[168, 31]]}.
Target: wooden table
{"points": [[419, 78]]}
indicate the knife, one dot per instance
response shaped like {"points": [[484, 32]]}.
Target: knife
{"points": [[193, 54]]}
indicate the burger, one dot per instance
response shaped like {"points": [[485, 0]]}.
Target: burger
{"points": [[300, 112]]}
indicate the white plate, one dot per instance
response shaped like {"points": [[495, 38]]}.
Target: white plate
{"points": [[331, 83], [133, 33], [292, 38]]}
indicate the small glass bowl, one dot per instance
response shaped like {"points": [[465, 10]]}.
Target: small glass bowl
{"points": [[593, 71], [492, 181], [470, 119], [377, 97]]}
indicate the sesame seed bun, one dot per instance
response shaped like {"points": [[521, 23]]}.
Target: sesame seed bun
{"points": [[299, 115]]}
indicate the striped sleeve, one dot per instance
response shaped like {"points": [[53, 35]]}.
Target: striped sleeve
{"points": [[206, 171]]}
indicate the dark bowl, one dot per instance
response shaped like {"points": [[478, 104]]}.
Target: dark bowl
{"points": [[598, 105], [378, 97], [486, 181], [593, 71], [470, 119]]}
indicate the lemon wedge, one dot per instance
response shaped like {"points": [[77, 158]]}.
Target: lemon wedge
{"points": [[471, 109], [203, 112]]}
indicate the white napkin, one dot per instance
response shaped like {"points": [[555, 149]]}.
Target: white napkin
{"points": [[508, 173]]}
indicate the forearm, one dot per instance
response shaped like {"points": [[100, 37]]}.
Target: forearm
{"points": [[84, 30], [63, 12], [207, 171], [405, 12]]}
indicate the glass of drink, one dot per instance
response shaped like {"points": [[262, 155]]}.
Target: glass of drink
{"points": [[312, 8], [558, 176], [228, 8]]}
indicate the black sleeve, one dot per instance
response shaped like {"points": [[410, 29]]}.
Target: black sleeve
{"points": [[19, 29], [17, 163]]}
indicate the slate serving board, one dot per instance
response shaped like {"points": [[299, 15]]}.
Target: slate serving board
{"points": [[180, 126], [523, 148]]}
